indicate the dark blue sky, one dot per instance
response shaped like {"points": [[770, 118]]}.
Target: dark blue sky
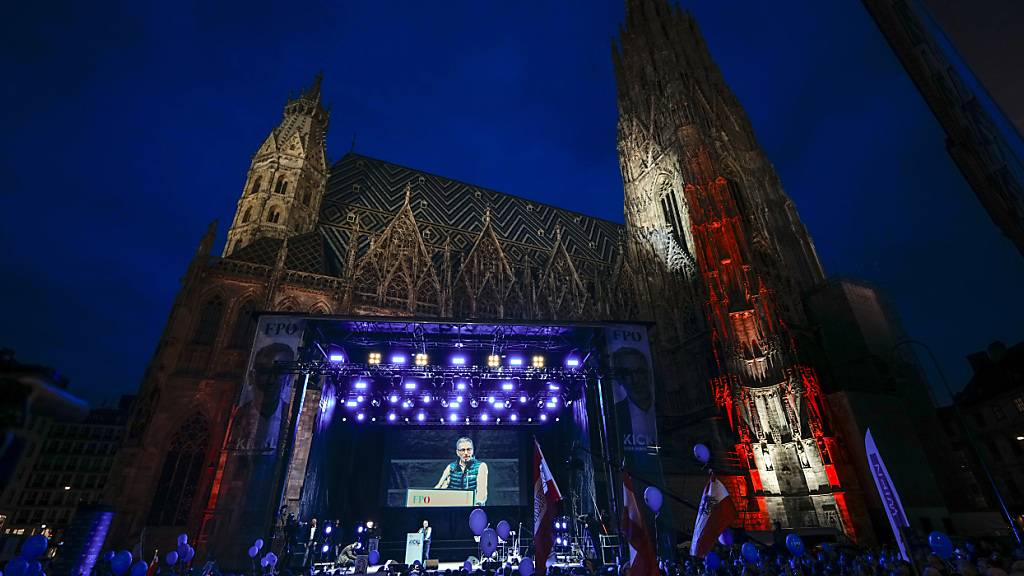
{"points": [[130, 127]]}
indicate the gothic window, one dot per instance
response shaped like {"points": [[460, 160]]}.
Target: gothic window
{"points": [[256, 185], [282, 186], [305, 197], [179, 478], [273, 216], [245, 326], [247, 215], [209, 321]]}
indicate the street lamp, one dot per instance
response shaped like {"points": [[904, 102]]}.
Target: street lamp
{"points": [[969, 436]]}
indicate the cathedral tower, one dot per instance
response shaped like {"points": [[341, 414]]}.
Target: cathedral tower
{"points": [[287, 177], [693, 172]]}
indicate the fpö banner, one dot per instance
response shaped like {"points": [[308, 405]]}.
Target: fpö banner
{"points": [[265, 393], [887, 491], [629, 355]]}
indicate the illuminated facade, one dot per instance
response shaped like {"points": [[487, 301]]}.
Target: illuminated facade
{"points": [[695, 177]]}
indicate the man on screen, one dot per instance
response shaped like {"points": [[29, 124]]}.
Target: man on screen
{"points": [[466, 473]]}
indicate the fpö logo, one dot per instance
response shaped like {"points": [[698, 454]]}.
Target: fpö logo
{"points": [[421, 499]]}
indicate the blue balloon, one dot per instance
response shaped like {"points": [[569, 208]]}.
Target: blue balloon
{"points": [[750, 552], [712, 561], [488, 541], [139, 568], [189, 554], [654, 498], [182, 539], [258, 543], [503, 528], [940, 544], [374, 557], [34, 568], [467, 565], [526, 566], [726, 537], [121, 562], [253, 551], [109, 555], [34, 547], [477, 521], [272, 558], [795, 545], [171, 558], [17, 567]]}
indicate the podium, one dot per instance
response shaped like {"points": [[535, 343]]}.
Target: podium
{"points": [[413, 548], [431, 498]]}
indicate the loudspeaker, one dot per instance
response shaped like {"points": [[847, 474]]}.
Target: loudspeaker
{"points": [[431, 564]]}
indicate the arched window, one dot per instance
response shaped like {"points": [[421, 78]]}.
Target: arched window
{"points": [[305, 197], [256, 185], [179, 478], [245, 326], [209, 321], [273, 216], [247, 215], [282, 186]]}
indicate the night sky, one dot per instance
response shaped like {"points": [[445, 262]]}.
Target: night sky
{"points": [[130, 127]]}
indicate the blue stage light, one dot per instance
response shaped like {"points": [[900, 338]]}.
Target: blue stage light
{"points": [[398, 359], [426, 398], [460, 386], [337, 357], [325, 549], [360, 385], [453, 417], [514, 417], [328, 529], [572, 362], [409, 385], [392, 417], [507, 386], [484, 417], [360, 416], [515, 361], [458, 360], [421, 417]]}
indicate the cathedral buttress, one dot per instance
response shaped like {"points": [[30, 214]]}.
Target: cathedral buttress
{"points": [[287, 177]]}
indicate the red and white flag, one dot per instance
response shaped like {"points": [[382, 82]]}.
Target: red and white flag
{"points": [[642, 560], [545, 506], [717, 510]]}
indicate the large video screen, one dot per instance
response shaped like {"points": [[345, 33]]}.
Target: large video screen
{"points": [[440, 468]]}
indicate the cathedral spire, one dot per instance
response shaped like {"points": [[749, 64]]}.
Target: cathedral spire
{"points": [[287, 177]]}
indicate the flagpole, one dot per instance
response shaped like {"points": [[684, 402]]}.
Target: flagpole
{"points": [[622, 467]]}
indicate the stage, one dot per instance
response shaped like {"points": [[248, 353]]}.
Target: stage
{"points": [[353, 422]]}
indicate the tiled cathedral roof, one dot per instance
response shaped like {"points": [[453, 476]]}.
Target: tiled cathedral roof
{"points": [[367, 193]]}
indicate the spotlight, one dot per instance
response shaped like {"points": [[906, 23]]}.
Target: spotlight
{"points": [[460, 386], [543, 417], [538, 361], [453, 417], [375, 402], [515, 361], [484, 417], [336, 357], [360, 385], [410, 385], [474, 403], [392, 417], [459, 398], [360, 416], [421, 359], [407, 404], [507, 386], [374, 358], [458, 360], [360, 398], [329, 529], [421, 417], [493, 361], [514, 417], [398, 359], [572, 362], [490, 399], [553, 386], [523, 399], [426, 398], [323, 550], [359, 530], [393, 398], [351, 404], [444, 403]]}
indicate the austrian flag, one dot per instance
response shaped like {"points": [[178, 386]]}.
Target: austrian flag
{"points": [[545, 505], [717, 511]]}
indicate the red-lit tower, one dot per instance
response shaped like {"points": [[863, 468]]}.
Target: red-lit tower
{"points": [[693, 173]]}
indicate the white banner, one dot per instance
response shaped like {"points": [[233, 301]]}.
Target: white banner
{"points": [[887, 491]]}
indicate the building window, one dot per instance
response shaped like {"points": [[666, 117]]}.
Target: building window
{"points": [[247, 215], [305, 197], [273, 216], [245, 326], [256, 185], [209, 321], [282, 186], [179, 477]]}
